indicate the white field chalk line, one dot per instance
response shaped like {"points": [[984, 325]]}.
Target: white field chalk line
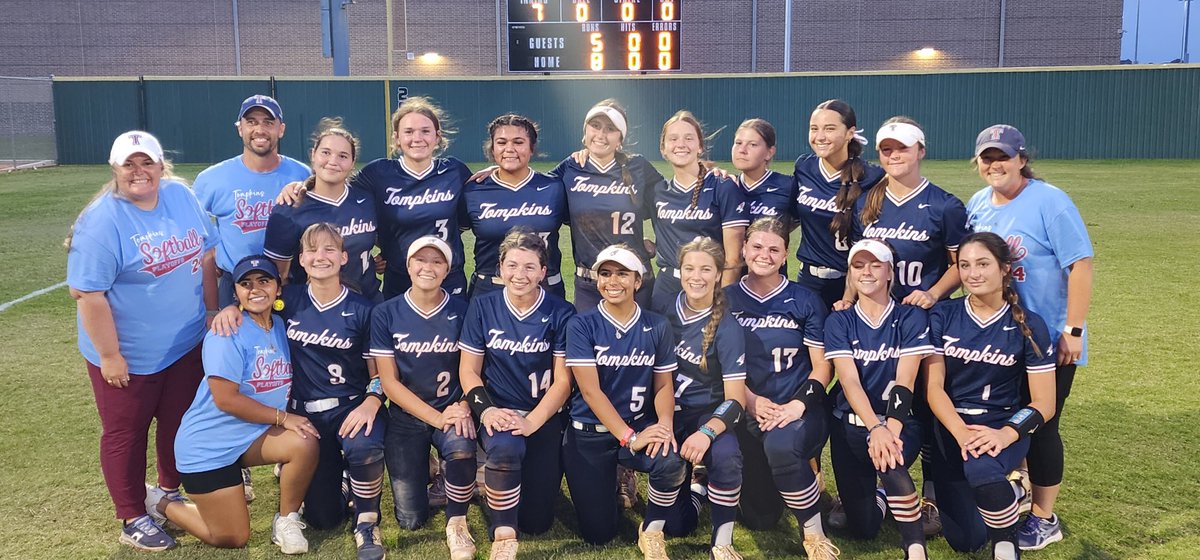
{"points": [[4, 307]]}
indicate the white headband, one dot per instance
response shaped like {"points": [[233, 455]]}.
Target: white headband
{"points": [[904, 133], [612, 114]]}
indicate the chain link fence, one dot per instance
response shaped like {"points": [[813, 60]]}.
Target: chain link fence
{"points": [[26, 123]]}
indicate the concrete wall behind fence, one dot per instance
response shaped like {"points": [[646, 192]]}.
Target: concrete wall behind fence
{"points": [[1085, 113]]}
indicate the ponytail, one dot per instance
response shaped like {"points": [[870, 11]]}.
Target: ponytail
{"points": [[852, 170]]}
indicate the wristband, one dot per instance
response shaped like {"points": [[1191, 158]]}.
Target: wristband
{"points": [[1026, 421], [1073, 331], [712, 436], [811, 393], [900, 403], [872, 430], [479, 401], [628, 434], [729, 413]]}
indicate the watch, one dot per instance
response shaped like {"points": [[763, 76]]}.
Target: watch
{"points": [[1073, 331]]}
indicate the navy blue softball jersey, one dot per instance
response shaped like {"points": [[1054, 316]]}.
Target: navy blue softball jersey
{"points": [[328, 343], [779, 329], [424, 345], [626, 357], [518, 348], [876, 348]]}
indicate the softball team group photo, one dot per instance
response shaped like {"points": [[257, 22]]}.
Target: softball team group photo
{"points": [[321, 318]]}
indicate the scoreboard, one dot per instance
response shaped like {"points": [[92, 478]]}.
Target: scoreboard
{"points": [[593, 35]]}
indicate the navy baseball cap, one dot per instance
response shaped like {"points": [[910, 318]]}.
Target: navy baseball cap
{"points": [[254, 263], [266, 102], [1002, 136]]}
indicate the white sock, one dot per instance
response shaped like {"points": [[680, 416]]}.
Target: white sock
{"points": [[916, 552], [1004, 551], [655, 525], [813, 526], [725, 534], [368, 517]]}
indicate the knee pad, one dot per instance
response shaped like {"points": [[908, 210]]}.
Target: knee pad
{"points": [[780, 448], [506, 453]]}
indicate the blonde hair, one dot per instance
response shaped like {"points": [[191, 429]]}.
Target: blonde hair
{"points": [[713, 249], [111, 187], [423, 106], [522, 237]]}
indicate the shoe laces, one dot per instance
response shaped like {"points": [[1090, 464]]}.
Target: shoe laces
{"points": [[821, 548], [367, 533], [146, 525], [725, 552], [458, 536], [504, 548], [654, 544], [290, 525]]}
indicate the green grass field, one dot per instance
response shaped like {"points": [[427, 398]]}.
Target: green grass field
{"points": [[1132, 424]]}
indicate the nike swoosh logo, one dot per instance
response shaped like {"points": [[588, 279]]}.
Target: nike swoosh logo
{"points": [[347, 314], [922, 206], [442, 170], [789, 299], [545, 319], [772, 190], [542, 188], [452, 317], [361, 200], [706, 190], [1010, 328], [647, 329]]}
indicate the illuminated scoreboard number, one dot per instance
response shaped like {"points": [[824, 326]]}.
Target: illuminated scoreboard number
{"points": [[593, 35]]}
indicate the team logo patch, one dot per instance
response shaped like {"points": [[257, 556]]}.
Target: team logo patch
{"points": [[251, 210], [271, 371]]}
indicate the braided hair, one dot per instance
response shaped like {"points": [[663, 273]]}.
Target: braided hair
{"points": [[713, 249], [852, 170], [686, 116], [1000, 250]]}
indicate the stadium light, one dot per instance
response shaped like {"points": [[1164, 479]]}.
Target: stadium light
{"points": [[927, 53], [431, 58]]}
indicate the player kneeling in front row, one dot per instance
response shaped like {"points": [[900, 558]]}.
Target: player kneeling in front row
{"points": [[238, 420], [414, 344], [514, 345], [986, 348], [622, 359]]}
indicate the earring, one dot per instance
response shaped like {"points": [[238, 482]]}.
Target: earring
{"points": [[240, 308], [278, 305]]}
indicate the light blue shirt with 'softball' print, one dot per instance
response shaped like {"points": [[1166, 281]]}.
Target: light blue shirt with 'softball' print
{"points": [[148, 264], [258, 361], [1047, 236], [241, 200]]}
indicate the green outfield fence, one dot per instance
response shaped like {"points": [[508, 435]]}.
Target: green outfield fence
{"points": [[1135, 112]]}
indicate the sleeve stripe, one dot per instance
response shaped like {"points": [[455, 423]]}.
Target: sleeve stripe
{"points": [[666, 367], [581, 362], [559, 353], [838, 354], [813, 343], [736, 223], [377, 353], [1048, 368], [733, 376], [917, 350], [939, 351], [276, 256], [471, 349]]}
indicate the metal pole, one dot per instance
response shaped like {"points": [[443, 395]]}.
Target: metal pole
{"points": [[340, 40], [390, 41], [237, 41], [1137, 27], [787, 36], [499, 38], [1187, 17], [1003, 16], [754, 36]]}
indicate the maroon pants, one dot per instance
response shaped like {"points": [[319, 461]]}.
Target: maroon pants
{"points": [[125, 415]]}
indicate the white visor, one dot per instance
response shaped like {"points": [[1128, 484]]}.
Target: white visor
{"points": [[621, 256], [882, 252], [612, 114], [430, 241], [903, 133]]}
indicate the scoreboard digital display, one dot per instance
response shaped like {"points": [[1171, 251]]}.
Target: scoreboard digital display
{"points": [[593, 35]]}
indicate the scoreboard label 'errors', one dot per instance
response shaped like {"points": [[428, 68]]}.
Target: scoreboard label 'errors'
{"points": [[593, 35]]}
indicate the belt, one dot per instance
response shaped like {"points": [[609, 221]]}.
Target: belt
{"points": [[668, 270], [321, 405], [822, 272], [584, 272], [856, 420], [971, 411], [597, 428], [550, 280]]}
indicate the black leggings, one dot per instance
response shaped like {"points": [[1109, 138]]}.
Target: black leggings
{"points": [[1046, 446]]}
